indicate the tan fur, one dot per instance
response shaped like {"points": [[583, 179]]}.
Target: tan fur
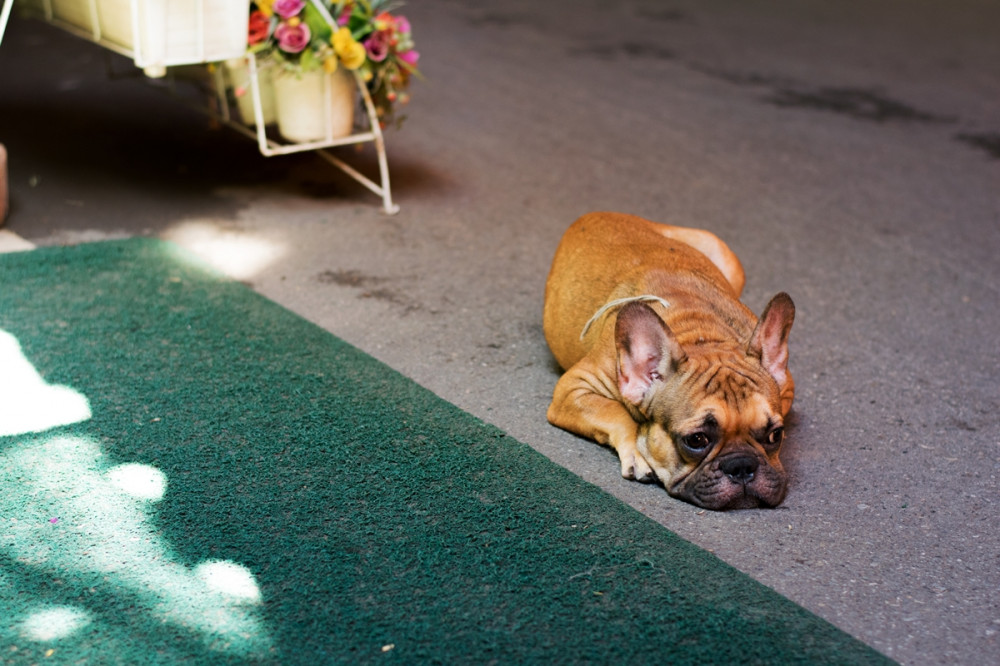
{"points": [[638, 382]]}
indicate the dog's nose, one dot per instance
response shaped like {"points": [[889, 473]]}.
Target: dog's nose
{"points": [[739, 468]]}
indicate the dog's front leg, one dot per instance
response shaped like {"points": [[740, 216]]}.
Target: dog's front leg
{"points": [[585, 403]]}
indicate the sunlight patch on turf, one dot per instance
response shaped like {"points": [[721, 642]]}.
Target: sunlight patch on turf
{"points": [[70, 514], [27, 402], [52, 623]]}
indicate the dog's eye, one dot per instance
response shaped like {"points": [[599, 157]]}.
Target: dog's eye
{"points": [[696, 442], [775, 437]]}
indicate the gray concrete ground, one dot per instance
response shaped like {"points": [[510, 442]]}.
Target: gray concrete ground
{"points": [[848, 151]]}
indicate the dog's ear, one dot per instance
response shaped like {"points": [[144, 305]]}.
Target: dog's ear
{"points": [[769, 341], [647, 350]]}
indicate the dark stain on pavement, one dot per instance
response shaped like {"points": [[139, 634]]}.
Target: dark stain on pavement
{"points": [[663, 15], [370, 285], [988, 142], [859, 103], [741, 78], [348, 278], [500, 20], [628, 50]]}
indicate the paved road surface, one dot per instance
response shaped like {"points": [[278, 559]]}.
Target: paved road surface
{"points": [[849, 151]]}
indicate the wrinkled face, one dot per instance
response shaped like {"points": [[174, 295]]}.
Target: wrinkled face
{"points": [[714, 435]]}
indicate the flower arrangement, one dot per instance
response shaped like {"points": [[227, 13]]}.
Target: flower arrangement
{"points": [[358, 35]]}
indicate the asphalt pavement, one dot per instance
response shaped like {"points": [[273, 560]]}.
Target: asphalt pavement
{"points": [[848, 151]]}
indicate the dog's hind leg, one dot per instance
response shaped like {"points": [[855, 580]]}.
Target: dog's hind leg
{"points": [[712, 247]]}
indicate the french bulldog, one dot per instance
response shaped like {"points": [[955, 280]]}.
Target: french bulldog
{"points": [[664, 364]]}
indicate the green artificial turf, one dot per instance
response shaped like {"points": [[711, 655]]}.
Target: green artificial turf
{"points": [[248, 487]]}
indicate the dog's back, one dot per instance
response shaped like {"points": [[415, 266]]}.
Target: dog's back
{"points": [[607, 256]]}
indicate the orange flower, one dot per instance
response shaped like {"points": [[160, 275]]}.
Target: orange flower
{"points": [[384, 21]]}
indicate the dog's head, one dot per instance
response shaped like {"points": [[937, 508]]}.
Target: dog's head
{"points": [[711, 417]]}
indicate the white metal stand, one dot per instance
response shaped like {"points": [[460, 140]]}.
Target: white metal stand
{"points": [[268, 147], [4, 196], [4, 15]]}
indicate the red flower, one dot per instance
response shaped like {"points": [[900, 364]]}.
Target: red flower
{"points": [[259, 27]]}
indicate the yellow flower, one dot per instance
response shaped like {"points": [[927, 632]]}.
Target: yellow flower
{"points": [[355, 56], [265, 7], [341, 39], [351, 52], [330, 64]]}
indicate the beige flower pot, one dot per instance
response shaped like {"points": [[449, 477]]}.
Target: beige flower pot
{"points": [[315, 106], [238, 78]]}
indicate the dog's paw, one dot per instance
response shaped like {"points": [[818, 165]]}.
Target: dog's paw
{"points": [[635, 467]]}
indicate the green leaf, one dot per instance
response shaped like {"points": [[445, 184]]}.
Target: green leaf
{"points": [[308, 61], [318, 27]]}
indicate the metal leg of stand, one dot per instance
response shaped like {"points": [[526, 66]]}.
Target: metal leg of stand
{"points": [[270, 148], [258, 106], [383, 163], [4, 16], [4, 196]]}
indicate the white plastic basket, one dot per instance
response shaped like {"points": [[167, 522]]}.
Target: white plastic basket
{"points": [[156, 34]]}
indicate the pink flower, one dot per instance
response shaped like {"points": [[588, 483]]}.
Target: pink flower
{"points": [[292, 38], [377, 46], [402, 25], [288, 8], [345, 15], [409, 57]]}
